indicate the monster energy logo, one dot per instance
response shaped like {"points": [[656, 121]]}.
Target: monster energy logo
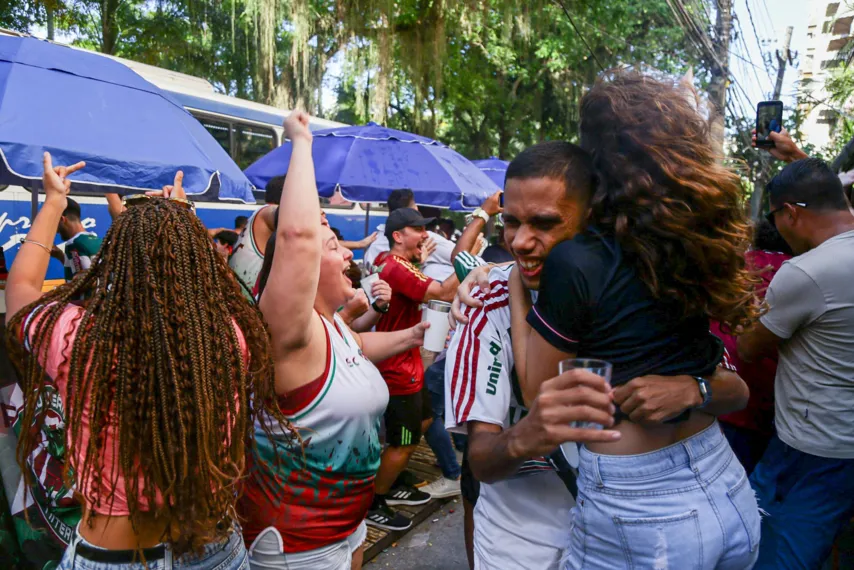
{"points": [[494, 368]]}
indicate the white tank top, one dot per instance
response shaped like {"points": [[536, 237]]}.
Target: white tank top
{"points": [[246, 260], [330, 484]]}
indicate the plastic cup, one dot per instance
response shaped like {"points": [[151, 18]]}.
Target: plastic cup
{"points": [[598, 367], [367, 285], [436, 313]]}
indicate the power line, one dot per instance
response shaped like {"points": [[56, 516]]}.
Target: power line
{"points": [[577, 31], [756, 34]]}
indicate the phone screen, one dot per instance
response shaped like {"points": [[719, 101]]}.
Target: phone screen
{"points": [[769, 117], [501, 199]]}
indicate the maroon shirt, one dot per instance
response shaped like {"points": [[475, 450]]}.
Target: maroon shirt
{"points": [[403, 373]]}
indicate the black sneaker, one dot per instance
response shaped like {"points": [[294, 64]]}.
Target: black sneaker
{"points": [[407, 496], [409, 479], [381, 516]]}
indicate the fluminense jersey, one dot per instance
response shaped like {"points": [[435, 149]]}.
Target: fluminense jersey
{"points": [[324, 489], [529, 513], [79, 252], [246, 260]]}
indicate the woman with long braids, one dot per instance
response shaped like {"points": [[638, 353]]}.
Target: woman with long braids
{"points": [[661, 254], [308, 512], [158, 370]]}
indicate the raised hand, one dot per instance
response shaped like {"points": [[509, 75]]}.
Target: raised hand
{"points": [[427, 249], [296, 126], [174, 190], [55, 178], [492, 205]]}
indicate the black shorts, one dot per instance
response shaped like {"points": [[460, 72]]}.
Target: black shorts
{"points": [[403, 418]]}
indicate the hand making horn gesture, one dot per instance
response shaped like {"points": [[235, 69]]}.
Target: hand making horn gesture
{"points": [[55, 178]]}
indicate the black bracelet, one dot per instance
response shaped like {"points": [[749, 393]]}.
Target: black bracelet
{"points": [[378, 309]]}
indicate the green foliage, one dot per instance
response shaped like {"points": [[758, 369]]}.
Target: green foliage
{"points": [[489, 77]]}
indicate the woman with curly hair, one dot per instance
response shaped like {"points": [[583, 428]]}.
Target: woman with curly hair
{"points": [[159, 370], [662, 253]]}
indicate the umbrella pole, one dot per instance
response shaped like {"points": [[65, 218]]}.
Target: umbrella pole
{"points": [[34, 201], [367, 219]]}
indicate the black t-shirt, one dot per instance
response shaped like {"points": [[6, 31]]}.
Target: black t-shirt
{"points": [[593, 303]]}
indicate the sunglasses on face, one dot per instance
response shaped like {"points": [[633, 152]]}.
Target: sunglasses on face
{"points": [[770, 216]]}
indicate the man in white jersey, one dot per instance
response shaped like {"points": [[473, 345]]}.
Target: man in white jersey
{"points": [[248, 254], [522, 518]]}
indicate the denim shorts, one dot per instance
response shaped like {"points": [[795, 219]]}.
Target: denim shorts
{"points": [[688, 506], [223, 555], [266, 552]]}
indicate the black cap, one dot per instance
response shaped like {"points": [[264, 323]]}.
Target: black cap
{"points": [[405, 218]]}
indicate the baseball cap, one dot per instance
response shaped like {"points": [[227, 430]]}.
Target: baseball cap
{"points": [[405, 218]]}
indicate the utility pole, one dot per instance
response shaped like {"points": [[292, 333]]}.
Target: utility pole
{"points": [[762, 175], [719, 65]]}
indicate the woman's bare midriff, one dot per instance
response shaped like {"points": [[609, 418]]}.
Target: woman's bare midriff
{"points": [[637, 438], [117, 533]]}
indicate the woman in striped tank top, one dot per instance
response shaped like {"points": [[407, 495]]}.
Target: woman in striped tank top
{"points": [[305, 502]]}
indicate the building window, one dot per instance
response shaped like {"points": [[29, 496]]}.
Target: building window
{"points": [[838, 44], [832, 7], [220, 130], [251, 143], [842, 26]]}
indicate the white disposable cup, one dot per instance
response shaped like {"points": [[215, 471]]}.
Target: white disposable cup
{"points": [[368, 284], [436, 313]]}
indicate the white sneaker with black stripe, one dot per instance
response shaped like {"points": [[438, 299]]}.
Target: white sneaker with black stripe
{"points": [[404, 495], [381, 516]]}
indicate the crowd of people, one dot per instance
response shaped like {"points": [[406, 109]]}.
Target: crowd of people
{"points": [[234, 399]]}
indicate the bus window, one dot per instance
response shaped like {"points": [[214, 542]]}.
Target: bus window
{"points": [[220, 131], [252, 143]]}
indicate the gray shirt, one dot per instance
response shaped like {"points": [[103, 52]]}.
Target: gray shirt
{"points": [[811, 302]]}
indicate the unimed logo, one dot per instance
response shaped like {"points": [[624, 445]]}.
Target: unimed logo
{"points": [[494, 368]]}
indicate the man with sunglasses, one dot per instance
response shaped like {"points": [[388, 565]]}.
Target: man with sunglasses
{"points": [[805, 479]]}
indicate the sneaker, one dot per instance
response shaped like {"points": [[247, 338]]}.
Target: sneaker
{"points": [[381, 516], [409, 479], [442, 488], [407, 496]]}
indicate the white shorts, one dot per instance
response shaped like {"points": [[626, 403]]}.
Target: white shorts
{"points": [[266, 552], [504, 551]]}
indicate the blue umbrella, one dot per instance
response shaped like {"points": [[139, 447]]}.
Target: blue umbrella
{"points": [[368, 162], [80, 105], [493, 167]]}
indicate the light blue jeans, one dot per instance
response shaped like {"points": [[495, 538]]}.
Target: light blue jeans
{"points": [[225, 555], [685, 507]]}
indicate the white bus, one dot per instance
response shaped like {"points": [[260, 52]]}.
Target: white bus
{"points": [[246, 130]]}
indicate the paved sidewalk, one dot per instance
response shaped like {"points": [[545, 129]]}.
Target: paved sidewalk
{"points": [[431, 545]]}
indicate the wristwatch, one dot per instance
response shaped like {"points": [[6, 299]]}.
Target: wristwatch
{"points": [[478, 212], [705, 391], [377, 308]]}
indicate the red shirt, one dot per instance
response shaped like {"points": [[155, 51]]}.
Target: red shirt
{"points": [[759, 375], [403, 373]]}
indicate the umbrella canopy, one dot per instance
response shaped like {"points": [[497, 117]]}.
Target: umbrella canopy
{"points": [[80, 105], [368, 162], [493, 167]]}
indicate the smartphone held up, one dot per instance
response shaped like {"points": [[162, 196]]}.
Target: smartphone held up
{"points": [[769, 117]]}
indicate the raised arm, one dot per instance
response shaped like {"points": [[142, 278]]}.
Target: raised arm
{"points": [[288, 301], [114, 204], [26, 277], [468, 241]]}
